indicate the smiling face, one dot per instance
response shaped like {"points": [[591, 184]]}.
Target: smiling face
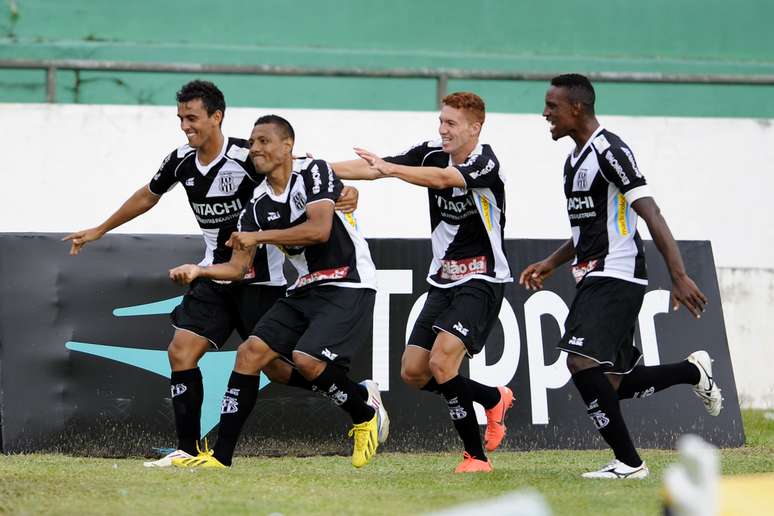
{"points": [[562, 115], [457, 130], [270, 148], [197, 125]]}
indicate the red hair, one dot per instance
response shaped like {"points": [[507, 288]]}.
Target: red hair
{"points": [[471, 103]]}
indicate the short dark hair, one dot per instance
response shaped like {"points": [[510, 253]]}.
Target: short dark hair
{"points": [[579, 88], [207, 92], [283, 125]]}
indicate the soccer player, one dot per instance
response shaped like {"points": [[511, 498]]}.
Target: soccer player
{"points": [[219, 180], [469, 269], [606, 192], [328, 312]]}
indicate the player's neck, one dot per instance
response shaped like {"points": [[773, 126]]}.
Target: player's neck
{"points": [[461, 154], [279, 178], [582, 134], [211, 149]]}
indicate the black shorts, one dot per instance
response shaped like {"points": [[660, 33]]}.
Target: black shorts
{"points": [[214, 310], [328, 323], [468, 311], [601, 322]]}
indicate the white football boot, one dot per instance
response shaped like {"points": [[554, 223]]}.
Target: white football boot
{"points": [[620, 471], [707, 390]]}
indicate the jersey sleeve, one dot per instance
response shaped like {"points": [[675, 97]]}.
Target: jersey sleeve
{"points": [[480, 171], [321, 182], [165, 179], [619, 167], [411, 157], [246, 220]]}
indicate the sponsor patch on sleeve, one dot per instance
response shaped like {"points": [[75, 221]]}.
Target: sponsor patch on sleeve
{"points": [[600, 143], [238, 153]]}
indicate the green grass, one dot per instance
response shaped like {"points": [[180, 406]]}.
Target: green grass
{"points": [[395, 483]]}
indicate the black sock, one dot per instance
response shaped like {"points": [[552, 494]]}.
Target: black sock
{"points": [[460, 402], [333, 383], [487, 396], [297, 380], [604, 410], [238, 402], [431, 386], [187, 397], [646, 380]]}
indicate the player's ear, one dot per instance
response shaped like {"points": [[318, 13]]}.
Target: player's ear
{"points": [[217, 116]]}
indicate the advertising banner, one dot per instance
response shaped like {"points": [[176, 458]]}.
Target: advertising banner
{"points": [[84, 369]]}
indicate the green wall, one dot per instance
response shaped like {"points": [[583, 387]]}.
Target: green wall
{"points": [[682, 36]]}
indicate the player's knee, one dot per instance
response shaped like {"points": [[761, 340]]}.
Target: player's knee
{"points": [[251, 354], [577, 363], [441, 367], [182, 356], [309, 367], [413, 376]]}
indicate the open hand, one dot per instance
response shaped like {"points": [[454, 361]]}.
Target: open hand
{"points": [[686, 293]]}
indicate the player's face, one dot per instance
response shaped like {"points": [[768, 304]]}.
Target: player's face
{"points": [[268, 149], [456, 129], [559, 112], [197, 125]]}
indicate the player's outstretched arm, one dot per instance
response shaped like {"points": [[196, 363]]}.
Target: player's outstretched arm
{"points": [[316, 229], [533, 275], [234, 270], [684, 290], [141, 201], [355, 169], [431, 177]]}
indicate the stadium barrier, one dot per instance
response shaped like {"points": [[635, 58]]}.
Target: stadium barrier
{"points": [[83, 366]]}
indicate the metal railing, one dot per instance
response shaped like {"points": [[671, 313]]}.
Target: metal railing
{"points": [[440, 75]]}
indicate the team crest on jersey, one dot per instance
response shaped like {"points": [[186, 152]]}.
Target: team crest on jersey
{"points": [[226, 183], [581, 181], [299, 200]]}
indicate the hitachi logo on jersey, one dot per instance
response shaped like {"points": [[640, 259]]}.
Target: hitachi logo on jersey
{"points": [[217, 208], [489, 167], [457, 207], [580, 203], [316, 179], [617, 166]]}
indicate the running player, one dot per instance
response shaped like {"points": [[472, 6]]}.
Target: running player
{"points": [[328, 313], [606, 192], [469, 270], [219, 180]]}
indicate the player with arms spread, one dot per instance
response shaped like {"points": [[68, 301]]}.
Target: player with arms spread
{"points": [[605, 195], [328, 313], [219, 180], [468, 272]]}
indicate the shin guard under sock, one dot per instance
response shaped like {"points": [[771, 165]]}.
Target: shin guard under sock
{"points": [[603, 408], [643, 381], [187, 397], [238, 402], [460, 402]]}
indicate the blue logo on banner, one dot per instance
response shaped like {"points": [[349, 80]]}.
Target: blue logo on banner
{"points": [[215, 367]]}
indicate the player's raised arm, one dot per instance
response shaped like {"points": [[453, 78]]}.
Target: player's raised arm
{"points": [[684, 290], [141, 201], [431, 177]]}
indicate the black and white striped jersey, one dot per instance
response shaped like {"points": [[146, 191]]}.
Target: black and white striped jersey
{"points": [[467, 224], [344, 260], [601, 184], [217, 194]]}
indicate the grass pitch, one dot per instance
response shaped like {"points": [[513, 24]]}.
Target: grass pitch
{"points": [[395, 483]]}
